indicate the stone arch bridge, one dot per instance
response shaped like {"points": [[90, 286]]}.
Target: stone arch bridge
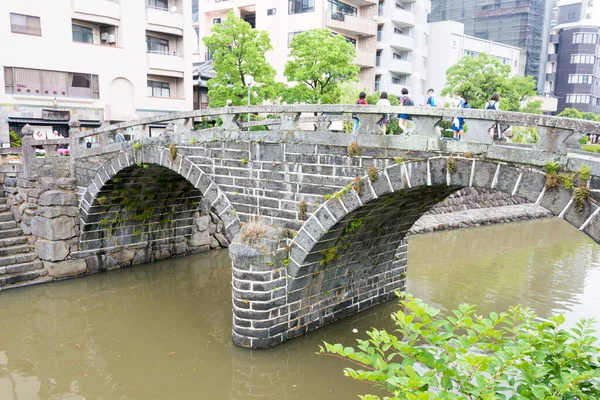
{"points": [[334, 207]]}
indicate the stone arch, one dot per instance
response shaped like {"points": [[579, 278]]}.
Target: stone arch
{"points": [[122, 99], [351, 253], [153, 166]]}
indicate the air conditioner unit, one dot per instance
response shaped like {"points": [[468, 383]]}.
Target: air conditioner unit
{"points": [[112, 39], [104, 36]]}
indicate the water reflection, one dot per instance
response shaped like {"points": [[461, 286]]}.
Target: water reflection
{"points": [[162, 331]]}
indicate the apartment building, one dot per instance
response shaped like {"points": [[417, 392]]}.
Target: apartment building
{"points": [[448, 43], [573, 67], [402, 47], [355, 19], [98, 61]]}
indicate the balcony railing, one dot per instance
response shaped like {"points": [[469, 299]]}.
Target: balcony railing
{"points": [[341, 16]]}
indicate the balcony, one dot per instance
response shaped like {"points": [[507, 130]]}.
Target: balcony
{"points": [[401, 67], [166, 64], [361, 3], [553, 57], [551, 76], [99, 8], [402, 42], [165, 21], [351, 25], [365, 58], [403, 18], [396, 89], [554, 38]]}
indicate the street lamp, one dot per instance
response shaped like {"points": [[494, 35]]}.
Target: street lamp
{"points": [[249, 82]]}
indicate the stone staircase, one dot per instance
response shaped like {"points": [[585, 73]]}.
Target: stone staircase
{"points": [[19, 264]]}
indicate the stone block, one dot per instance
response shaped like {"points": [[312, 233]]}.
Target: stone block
{"points": [[57, 198], [200, 239], [57, 211], [214, 243], [223, 242], [202, 222], [49, 250], [124, 256], [65, 269], [59, 228], [95, 263], [66, 183]]}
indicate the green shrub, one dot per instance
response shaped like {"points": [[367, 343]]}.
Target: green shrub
{"points": [[15, 139], [465, 356], [593, 148], [524, 134]]}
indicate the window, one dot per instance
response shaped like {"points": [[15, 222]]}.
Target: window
{"points": [[27, 24], [291, 35], [585, 38], [587, 79], [578, 98], [271, 11], [157, 45], [379, 32], [397, 56], [583, 59], [397, 31], [82, 34], [160, 4], [402, 80], [339, 10], [504, 61], [300, 6], [380, 7], [472, 54], [158, 89], [216, 21], [39, 82], [377, 82], [378, 58]]}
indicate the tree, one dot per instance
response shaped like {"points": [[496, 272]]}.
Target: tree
{"points": [[478, 78], [319, 61], [574, 113], [464, 356], [238, 51]]}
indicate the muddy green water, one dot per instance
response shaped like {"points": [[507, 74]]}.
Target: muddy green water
{"points": [[162, 331]]}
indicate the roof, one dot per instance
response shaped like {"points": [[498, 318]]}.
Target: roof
{"points": [[204, 70], [585, 23], [40, 121]]}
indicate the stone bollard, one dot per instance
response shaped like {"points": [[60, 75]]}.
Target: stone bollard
{"points": [[73, 143], [260, 311], [28, 151]]}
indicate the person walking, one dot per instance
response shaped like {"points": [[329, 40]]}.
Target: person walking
{"points": [[494, 104], [458, 122], [362, 100], [383, 101], [403, 119], [432, 102]]}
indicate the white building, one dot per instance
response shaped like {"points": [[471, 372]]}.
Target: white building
{"points": [[448, 44], [355, 19], [402, 47], [96, 60]]}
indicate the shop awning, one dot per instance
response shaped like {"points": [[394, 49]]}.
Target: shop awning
{"points": [[39, 121]]}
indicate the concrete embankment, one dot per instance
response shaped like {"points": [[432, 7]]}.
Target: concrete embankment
{"points": [[475, 207]]}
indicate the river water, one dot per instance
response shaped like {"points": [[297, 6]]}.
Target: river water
{"points": [[162, 331]]}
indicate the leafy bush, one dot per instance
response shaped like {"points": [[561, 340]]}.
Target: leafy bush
{"points": [[15, 139], [524, 134], [465, 356], [593, 148]]}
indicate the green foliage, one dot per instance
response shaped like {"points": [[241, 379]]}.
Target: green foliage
{"points": [[585, 172], [238, 51], [346, 92], [451, 165], [373, 98], [551, 167], [286, 262], [142, 165], [137, 233], [318, 62], [373, 174], [465, 356], [104, 222], [533, 107], [583, 140], [102, 200], [593, 148], [193, 141], [204, 125], [478, 78], [525, 134], [357, 184], [244, 162], [172, 152], [327, 197], [581, 196], [354, 225], [15, 139], [329, 255], [354, 149], [398, 160], [137, 146]]}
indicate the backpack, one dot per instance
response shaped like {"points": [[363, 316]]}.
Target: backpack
{"points": [[464, 104], [491, 106], [406, 101]]}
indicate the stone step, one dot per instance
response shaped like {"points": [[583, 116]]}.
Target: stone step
{"points": [[22, 248], [12, 241], [2, 193], [10, 233], [4, 207], [31, 282], [6, 216], [3, 200], [18, 277], [7, 225], [17, 259], [21, 268]]}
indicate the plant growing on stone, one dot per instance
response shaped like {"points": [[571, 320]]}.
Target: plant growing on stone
{"points": [[398, 160], [585, 172], [172, 152], [193, 141], [468, 154], [102, 200], [451, 165], [329, 255], [357, 184], [104, 222], [353, 226], [137, 233], [551, 168], [137, 146], [142, 165], [354, 149], [465, 356], [254, 231], [373, 174], [302, 209], [244, 162], [581, 196]]}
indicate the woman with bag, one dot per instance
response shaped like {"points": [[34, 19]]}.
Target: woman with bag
{"points": [[494, 104]]}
